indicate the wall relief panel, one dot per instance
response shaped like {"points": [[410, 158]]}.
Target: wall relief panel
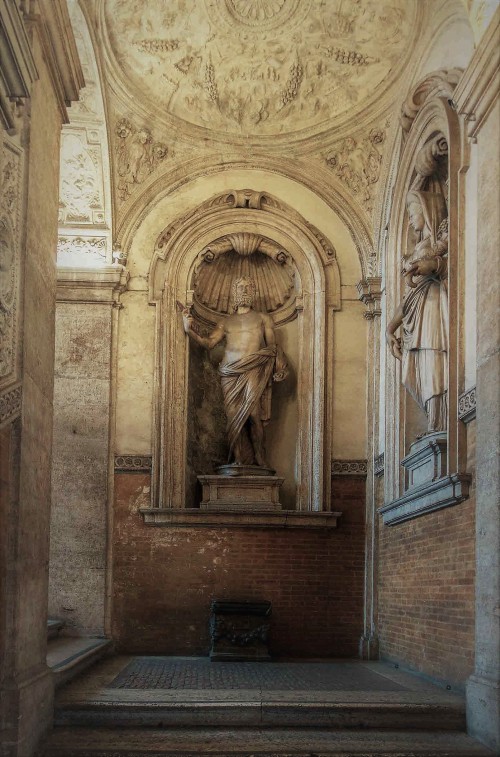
{"points": [[11, 167]]}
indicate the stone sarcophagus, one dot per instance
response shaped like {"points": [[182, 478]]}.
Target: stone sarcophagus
{"points": [[239, 630]]}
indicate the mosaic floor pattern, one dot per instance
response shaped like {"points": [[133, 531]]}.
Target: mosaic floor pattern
{"points": [[175, 673]]}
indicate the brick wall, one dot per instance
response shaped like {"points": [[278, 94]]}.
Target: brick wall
{"points": [[426, 590], [164, 578]]}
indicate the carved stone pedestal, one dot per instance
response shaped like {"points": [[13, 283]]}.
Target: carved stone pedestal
{"points": [[240, 492], [427, 460], [429, 486]]}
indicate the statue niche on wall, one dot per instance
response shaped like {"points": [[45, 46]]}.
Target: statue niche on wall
{"points": [[423, 312], [251, 362]]}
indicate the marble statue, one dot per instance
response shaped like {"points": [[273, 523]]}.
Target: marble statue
{"points": [[251, 362], [423, 312]]}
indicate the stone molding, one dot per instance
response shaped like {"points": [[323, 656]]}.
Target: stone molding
{"points": [[437, 84], [317, 279], [92, 285], [128, 463], [18, 67], [60, 54], [10, 404], [370, 293], [467, 405], [195, 518], [478, 89], [378, 465], [445, 492], [349, 467]]}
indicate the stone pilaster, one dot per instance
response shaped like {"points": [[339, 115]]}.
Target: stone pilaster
{"points": [[370, 294], [476, 97]]}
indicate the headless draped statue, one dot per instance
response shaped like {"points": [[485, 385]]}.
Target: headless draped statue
{"points": [[251, 362], [423, 313]]}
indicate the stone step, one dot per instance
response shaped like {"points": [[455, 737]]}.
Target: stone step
{"points": [[68, 656], [244, 742], [54, 625], [268, 711]]}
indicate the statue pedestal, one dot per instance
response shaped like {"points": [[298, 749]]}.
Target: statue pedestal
{"points": [[429, 486], [240, 492], [427, 460]]}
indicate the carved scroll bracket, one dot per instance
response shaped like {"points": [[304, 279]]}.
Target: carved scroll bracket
{"points": [[370, 293]]}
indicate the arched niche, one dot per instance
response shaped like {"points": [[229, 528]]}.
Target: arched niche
{"points": [[317, 295], [433, 116]]}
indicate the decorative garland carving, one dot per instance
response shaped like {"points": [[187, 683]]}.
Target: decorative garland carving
{"points": [[349, 467], [137, 155], [74, 251], [357, 164]]}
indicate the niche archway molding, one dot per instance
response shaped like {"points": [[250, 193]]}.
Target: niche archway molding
{"points": [[170, 280], [434, 116]]}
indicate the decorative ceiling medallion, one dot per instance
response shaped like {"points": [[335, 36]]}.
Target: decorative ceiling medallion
{"points": [[261, 13], [257, 68]]}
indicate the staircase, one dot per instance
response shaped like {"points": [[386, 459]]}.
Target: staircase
{"points": [[384, 713]]}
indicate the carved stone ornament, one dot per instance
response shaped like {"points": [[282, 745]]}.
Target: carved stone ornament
{"points": [[349, 467], [437, 84], [78, 250], [10, 405], [301, 64], [356, 162], [467, 405], [137, 154], [9, 261], [138, 463], [243, 254], [81, 190]]}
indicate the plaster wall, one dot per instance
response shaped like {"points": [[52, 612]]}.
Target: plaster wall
{"points": [[80, 467]]}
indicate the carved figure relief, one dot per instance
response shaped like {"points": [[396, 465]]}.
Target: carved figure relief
{"points": [[357, 164], [81, 184], [137, 155], [423, 312], [263, 66]]}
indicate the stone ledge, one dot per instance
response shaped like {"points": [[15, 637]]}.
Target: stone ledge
{"points": [[195, 518], [445, 492]]}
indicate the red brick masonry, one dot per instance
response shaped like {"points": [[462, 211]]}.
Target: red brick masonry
{"points": [[164, 578]]}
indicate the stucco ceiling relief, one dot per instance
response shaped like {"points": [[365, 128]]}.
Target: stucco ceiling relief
{"points": [[356, 162], [137, 155], [259, 67]]}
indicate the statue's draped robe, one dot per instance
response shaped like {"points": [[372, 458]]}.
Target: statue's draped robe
{"points": [[246, 386], [425, 326]]}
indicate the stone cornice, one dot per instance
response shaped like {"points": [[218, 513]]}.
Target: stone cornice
{"points": [[196, 518], [17, 69], [478, 89], [92, 285], [54, 28]]}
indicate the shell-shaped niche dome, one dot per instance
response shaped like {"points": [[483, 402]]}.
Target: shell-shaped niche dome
{"points": [[215, 275]]}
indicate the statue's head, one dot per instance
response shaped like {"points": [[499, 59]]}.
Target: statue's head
{"points": [[243, 291]]}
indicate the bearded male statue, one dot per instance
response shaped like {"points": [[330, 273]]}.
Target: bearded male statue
{"points": [[251, 362]]}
